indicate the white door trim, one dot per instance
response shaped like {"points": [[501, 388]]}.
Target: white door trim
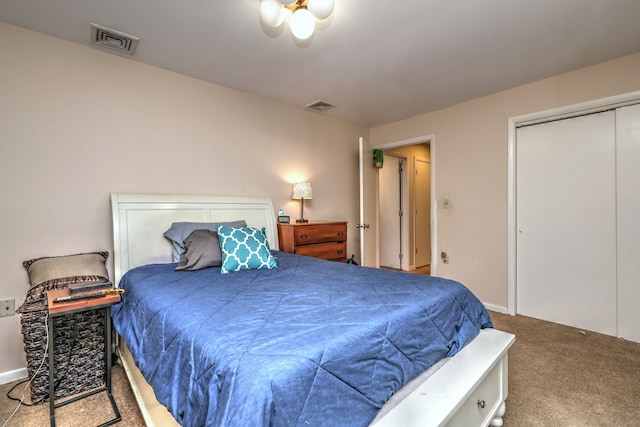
{"points": [[417, 160], [361, 197], [513, 123]]}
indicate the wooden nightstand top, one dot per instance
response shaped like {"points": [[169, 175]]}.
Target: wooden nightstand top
{"points": [[56, 308]]}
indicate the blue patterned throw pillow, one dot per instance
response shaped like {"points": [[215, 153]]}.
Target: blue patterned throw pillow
{"points": [[244, 248]]}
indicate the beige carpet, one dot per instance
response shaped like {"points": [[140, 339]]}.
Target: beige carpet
{"points": [[558, 378], [88, 412]]}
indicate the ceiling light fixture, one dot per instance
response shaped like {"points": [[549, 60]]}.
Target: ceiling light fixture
{"points": [[302, 14]]}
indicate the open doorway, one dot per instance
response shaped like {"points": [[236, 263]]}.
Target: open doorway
{"points": [[408, 191]]}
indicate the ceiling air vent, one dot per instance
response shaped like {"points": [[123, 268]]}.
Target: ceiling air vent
{"points": [[113, 39], [319, 106]]}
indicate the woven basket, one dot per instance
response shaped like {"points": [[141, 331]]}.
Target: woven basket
{"points": [[79, 350]]}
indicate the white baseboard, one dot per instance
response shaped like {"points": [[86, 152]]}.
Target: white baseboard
{"points": [[497, 308], [11, 376]]}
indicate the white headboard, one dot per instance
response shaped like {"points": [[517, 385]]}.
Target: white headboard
{"points": [[139, 221]]}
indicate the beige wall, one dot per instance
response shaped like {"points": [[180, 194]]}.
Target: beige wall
{"points": [[469, 154], [77, 123]]}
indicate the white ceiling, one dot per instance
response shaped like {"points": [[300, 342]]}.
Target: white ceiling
{"points": [[378, 61]]}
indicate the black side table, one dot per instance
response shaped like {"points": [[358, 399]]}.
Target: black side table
{"points": [[63, 308]]}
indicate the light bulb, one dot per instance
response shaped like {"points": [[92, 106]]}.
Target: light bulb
{"points": [[302, 24], [287, 2], [271, 13], [321, 9]]}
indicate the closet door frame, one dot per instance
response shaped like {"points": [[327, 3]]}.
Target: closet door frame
{"points": [[513, 123], [628, 212]]}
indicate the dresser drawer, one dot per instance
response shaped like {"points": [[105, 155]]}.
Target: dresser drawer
{"points": [[477, 410], [319, 239], [331, 250], [311, 234]]}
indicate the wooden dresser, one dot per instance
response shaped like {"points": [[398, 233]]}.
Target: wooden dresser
{"points": [[320, 239]]}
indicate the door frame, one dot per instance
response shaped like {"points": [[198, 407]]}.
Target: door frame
{"points": [[417, 160], [431, 140], [589, 107]]}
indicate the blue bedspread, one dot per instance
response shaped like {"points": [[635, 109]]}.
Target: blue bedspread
{"points": [[310, 343]]}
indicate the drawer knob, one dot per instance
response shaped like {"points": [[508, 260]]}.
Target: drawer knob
{"points": [[482, 403], [339, 251], [303, 236], [340, 234]]}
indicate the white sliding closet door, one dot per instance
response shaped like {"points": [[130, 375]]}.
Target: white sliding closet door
{"points": [[628, 158], [566, 222]]}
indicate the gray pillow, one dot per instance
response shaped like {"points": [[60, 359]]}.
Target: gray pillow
{"points": [[203, 250], [58, 272], [181, 230]]}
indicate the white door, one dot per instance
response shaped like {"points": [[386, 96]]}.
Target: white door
{"points": [[566, 222], [368, 206], [422, 216], [390, 208], [628, 216]]}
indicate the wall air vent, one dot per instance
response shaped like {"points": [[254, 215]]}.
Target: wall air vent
{"points": [[319, 106], [114, 40]]}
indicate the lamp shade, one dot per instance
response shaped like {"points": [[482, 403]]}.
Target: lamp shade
{"points": [[302, 190], [321, 9], [271, 13], [302, 24]]}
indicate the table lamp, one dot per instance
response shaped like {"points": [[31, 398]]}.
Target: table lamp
{"points": [[301, 191]]}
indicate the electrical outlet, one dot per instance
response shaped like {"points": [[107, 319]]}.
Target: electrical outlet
{"points": [[444, 256], [7, 307]]}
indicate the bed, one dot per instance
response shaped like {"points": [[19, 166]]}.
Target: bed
{"points": [[310, 342]]}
